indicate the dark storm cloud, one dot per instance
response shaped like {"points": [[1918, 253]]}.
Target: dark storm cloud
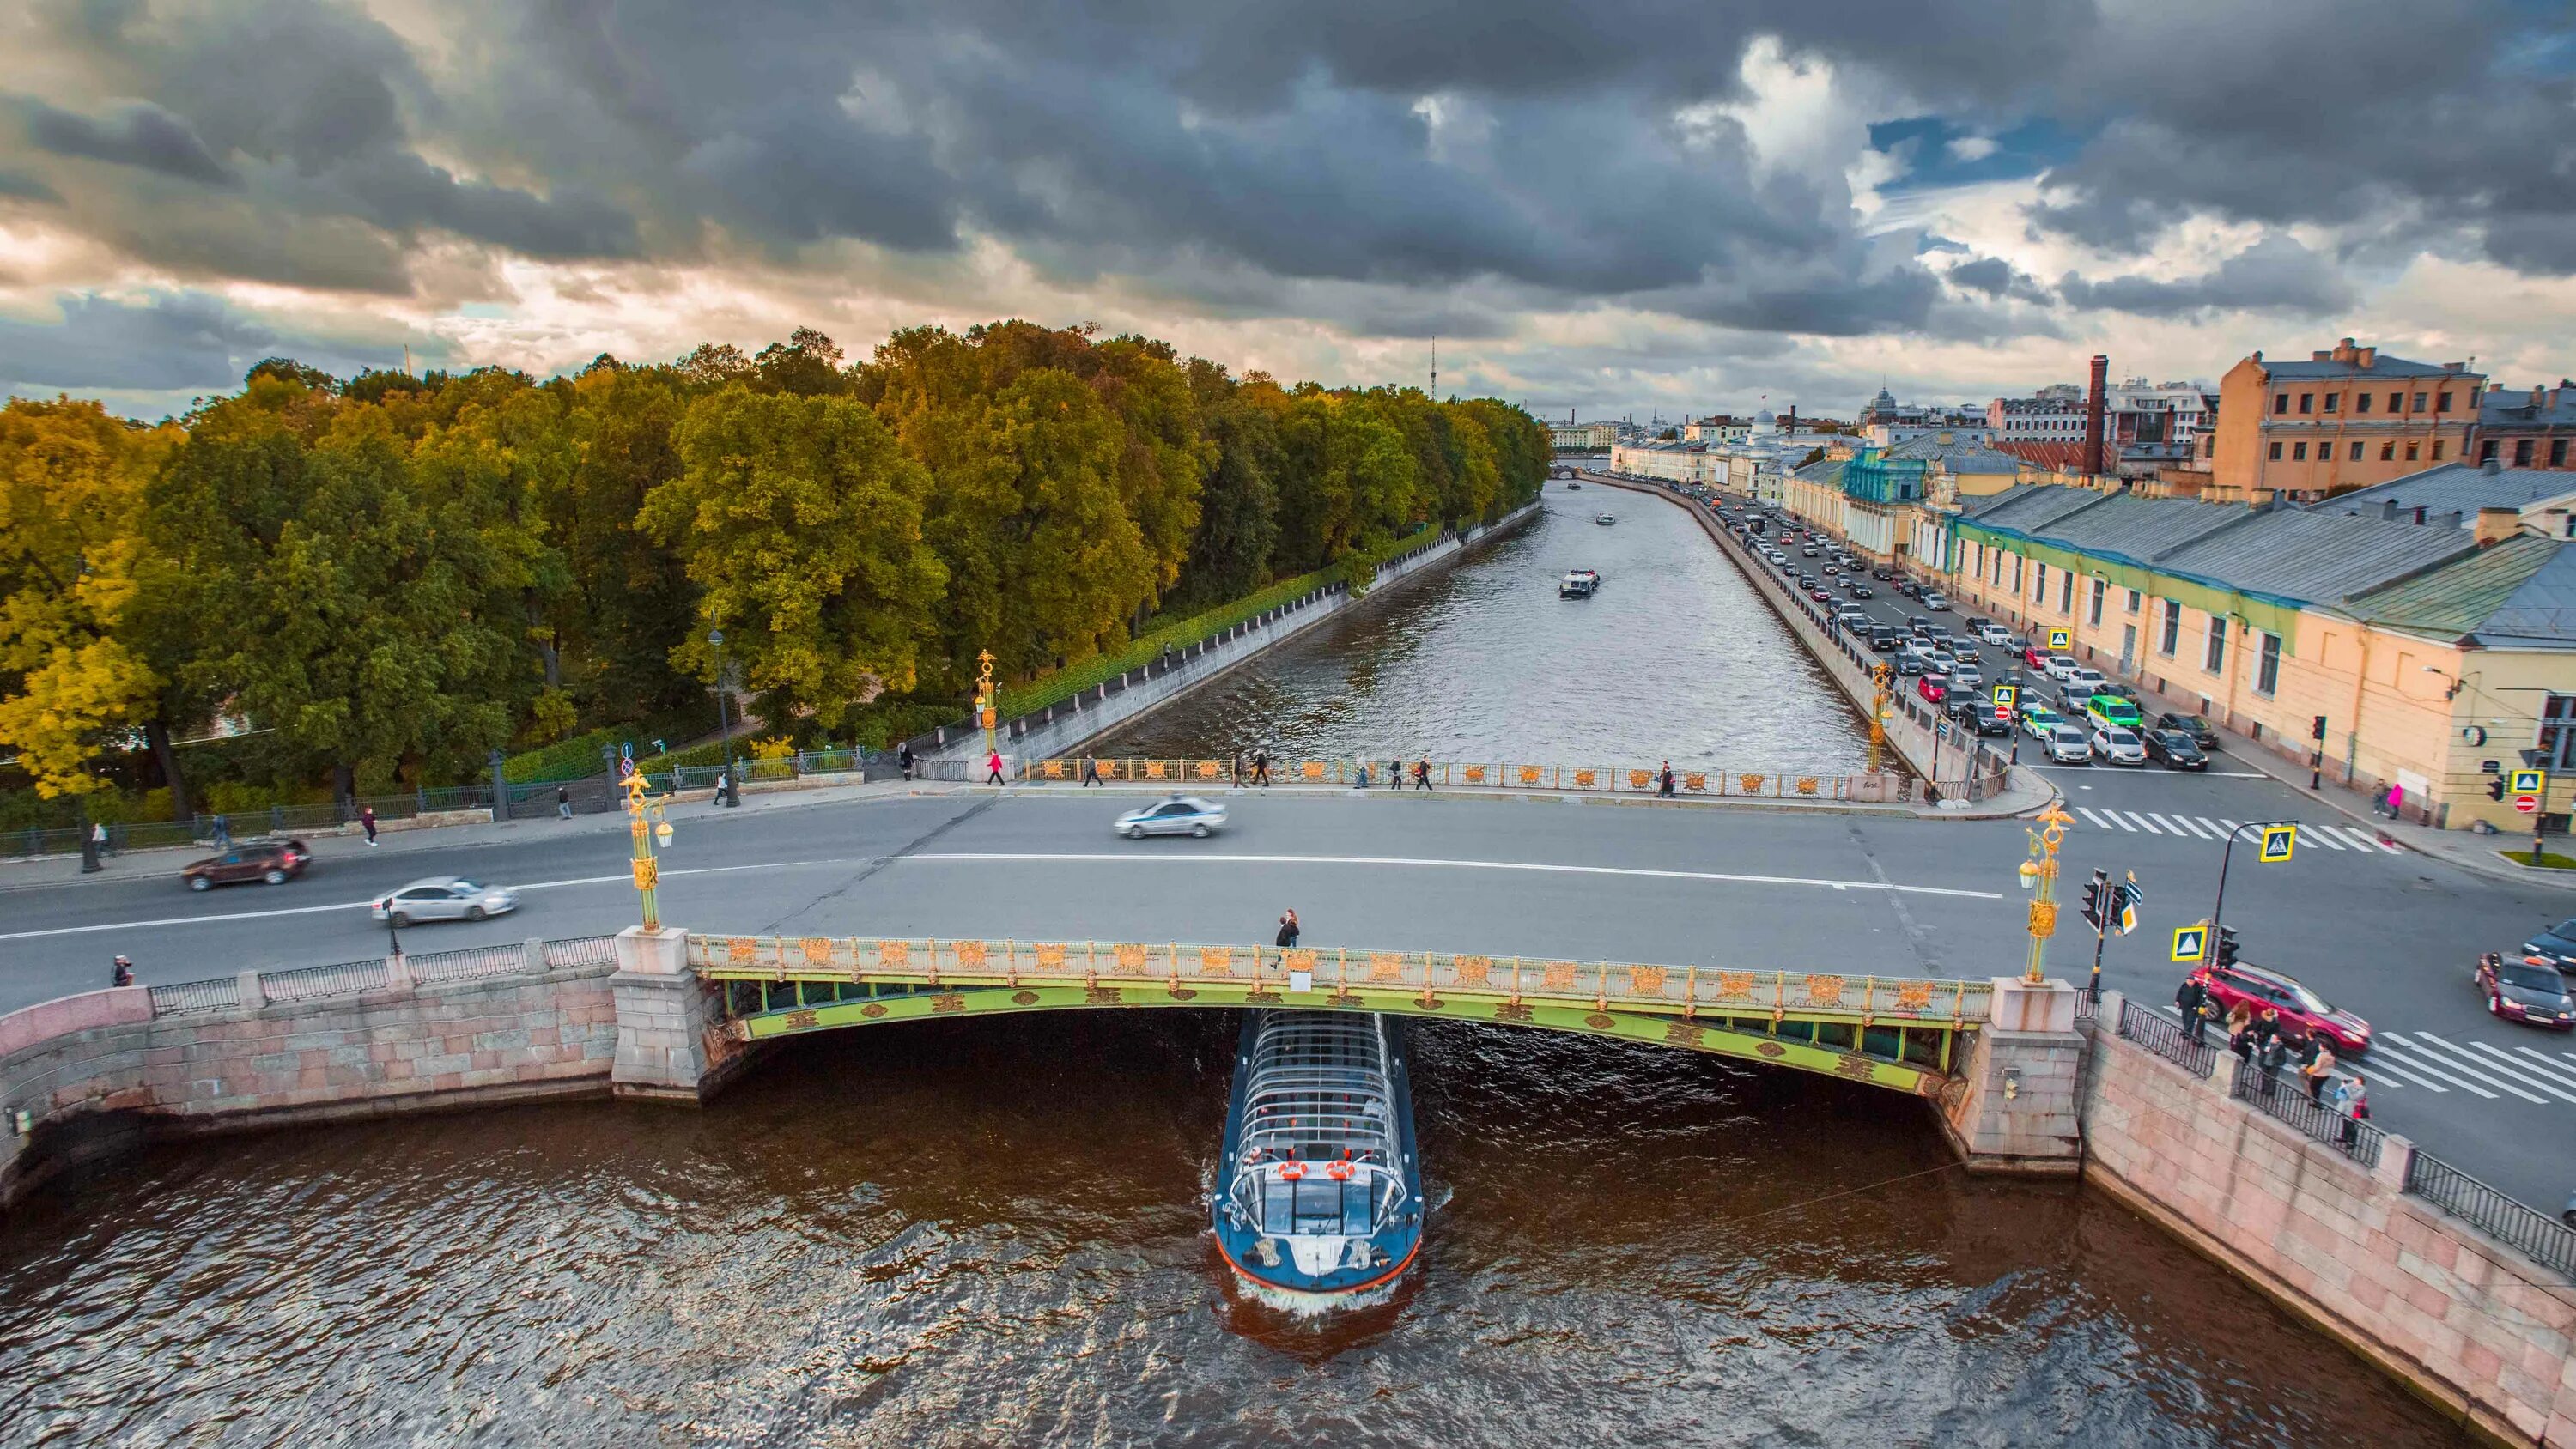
{"points": [[140, 134], [180, 342], [2274, 274], [1994, 277]]}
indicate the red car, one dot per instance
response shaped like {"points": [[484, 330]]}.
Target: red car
{"points": [[2035, 657], [275, 862], [2303, 1012], [2526, 989], [1933, 687], [1821, 595]]}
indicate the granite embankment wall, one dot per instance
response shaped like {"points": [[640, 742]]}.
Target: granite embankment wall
{"points": [[2466, 1320], [1065, 728], [1960, 769]]}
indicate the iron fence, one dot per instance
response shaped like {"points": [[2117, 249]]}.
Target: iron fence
{"points": [[343, 978], [2166, 1040], [205, 826], [2283, 1096], [2546, 1239], [581, 951], [1697, 780], [183, 996], [470, 962]]}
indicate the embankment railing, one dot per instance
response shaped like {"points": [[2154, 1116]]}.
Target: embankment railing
{"points": [[2283, 1096], [2166, 1039], [2545, 1238], [375, 973], [1697, 780]]}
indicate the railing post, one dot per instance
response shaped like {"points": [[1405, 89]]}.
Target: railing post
{"points": [[536, 949], [398, 975], [248, 993]]}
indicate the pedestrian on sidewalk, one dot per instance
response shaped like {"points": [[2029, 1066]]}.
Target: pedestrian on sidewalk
{"points": [[98, 837], [903, 757], [1422, 773], [1665, 786], [993, 769], [1395, 773], [563, 802], [1261, 766], [223, 831], [2318, 1068], [367, 821], [1091, 773], [2240, 1031], [122, 973], [2352, 1104], [1288, 930], [2269, 1059], [2192, 1000]]}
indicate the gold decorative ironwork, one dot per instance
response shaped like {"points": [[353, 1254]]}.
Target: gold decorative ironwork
{"points": [[648, 873], [1207, 769], [1735, 985], [1557, 976], [894, 955], [1600, 1021], [1475, 774], [817, 950], [742, 951], [802, 1021], [2043, 919], [1646, 981], [970, 955], [1749, 784], [1858, 1068], [1530, 774], [946, 1002], [1512, 1011], [1771, 1049], [872, 1010], [1025, 998], [1297, 960], [1052, 769], [1637, 778], [1131, 957], [1825, 990], [1312, 769], [1682, 1034], [1051, 956], [1103, 995], [1473, 970], [1697, 781], [1216, 960], [1583, 778], [1153, 769], [1913, 995], [1386, 966], [1806, 784]]}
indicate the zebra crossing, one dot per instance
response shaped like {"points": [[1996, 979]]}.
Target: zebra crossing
{"points": [[2543, 1075], [2203, 827]]}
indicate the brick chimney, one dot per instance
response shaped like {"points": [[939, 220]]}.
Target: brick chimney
{"points": [[2495, 525], [2093, 404]]}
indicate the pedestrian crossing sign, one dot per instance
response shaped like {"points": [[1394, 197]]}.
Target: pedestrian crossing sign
{"points": [[2529, 782], [2277, 843], [2006, 696], [2060, 640], [2190, 942]]}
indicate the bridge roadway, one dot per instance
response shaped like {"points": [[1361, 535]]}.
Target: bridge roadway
{"points": [[2389, 935]]}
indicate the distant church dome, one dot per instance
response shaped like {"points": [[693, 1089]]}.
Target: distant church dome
{"points": [[1885, 402], [1763, 418]]}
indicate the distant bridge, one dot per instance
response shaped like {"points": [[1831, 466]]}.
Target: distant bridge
{"points": [[1903, 1033]]}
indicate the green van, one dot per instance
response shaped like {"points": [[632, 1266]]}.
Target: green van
{"points": [[2115, 710]]}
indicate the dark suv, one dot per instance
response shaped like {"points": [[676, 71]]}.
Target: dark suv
{"points": [[273, 861]]}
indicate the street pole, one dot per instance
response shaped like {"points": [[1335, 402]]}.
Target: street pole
{"points": [[2317, 752], [2218, 907], [987, 705], [1878, 674], [724, 719], [645, 827], [2101, 927], [2039, 876]]}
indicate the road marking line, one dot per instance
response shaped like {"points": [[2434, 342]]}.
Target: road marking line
{"points": [[2144, 822], [2383, 1067], [621, 878], [2505, 1060], [2383, 1053], [2171, 827], [1124, 858], [2325, 837], [2552, 1069], [2087, 812], [2460, 1061], [2192, 824], [2230, 829], [2342, 835]]}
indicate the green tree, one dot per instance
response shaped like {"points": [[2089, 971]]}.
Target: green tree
{"points": [[799, 519]]}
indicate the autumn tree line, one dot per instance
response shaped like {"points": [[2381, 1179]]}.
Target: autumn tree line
{"points": [[389, 577]]}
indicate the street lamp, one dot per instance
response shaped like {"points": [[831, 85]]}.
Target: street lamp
{"points": [[2039, 877], [647, 829], [724, 719]]}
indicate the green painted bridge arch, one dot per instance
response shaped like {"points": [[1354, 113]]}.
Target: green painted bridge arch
{"points": [[1901, 1033]]}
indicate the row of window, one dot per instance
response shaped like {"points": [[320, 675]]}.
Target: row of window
{"points": [[2360, 402], [2524, 451], [2387, 452], [2213, 660]]}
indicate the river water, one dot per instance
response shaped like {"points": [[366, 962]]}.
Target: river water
{"points": [[990, 1233], [1675, 658]]}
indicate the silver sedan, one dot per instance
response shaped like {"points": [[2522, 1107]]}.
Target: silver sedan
{"points": [[1177, 815], [443, 898]]}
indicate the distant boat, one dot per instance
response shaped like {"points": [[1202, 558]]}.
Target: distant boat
{"points": [[1579, 584], [1319, 1203], [1574, 487], [1605, 520]]}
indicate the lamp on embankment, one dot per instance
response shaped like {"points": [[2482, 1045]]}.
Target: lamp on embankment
{"points": [[728, 790], [2039, 877], [648, 830]]}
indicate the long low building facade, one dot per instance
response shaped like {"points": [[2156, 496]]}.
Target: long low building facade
{"points": [[2436, 653]]}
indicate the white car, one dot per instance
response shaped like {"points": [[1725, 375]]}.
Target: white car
{"points": [[2067, 745], [1967, 676], [1936, 601], [443, 898], [1172, 815], [1995, 634], [2083, 681], [2119, 746], [2059, 666], [1942, 661]]}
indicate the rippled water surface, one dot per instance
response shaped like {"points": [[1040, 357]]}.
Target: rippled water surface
{"points": [[1676, 658], [989, 1233]]}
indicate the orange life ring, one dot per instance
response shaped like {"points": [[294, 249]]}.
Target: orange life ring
{"points": [[1339, 1172], [1293, 1171]]}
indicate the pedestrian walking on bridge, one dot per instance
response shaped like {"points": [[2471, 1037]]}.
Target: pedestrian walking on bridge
{"points": [[1395, 774], [1664, 786], [122, 973], [367, 820], [993, 769], [2352, 1104], [563, 802], [1422, 773], [1091, 773], [1261, 767], [903, 757], [2192, 1001], [1288, 930]]}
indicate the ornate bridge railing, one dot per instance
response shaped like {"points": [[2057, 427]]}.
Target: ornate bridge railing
{"points": [[1696, 780], [1602, 984]]}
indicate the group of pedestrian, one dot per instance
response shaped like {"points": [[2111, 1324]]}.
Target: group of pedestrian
{"points": [[2271, 1046]]}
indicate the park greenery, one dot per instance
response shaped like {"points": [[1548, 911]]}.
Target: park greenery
{"points": [[372, 584]]}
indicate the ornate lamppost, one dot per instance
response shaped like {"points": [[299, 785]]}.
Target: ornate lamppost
{"points": [[649, 829], [1878, 674], [2039, 876], [987, 703], [732, 789]]}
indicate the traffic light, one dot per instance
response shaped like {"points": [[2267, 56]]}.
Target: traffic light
{"points": [[2224, 949], [2096, 912], [2124, 906], [2317, 731], [2495, 787]]}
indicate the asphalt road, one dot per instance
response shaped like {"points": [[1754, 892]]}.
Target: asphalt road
{"points": [[2391, 936]]}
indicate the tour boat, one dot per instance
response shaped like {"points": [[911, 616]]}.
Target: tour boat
{"points": [[1318, 1202], [1605, 520], [1579, 584]]}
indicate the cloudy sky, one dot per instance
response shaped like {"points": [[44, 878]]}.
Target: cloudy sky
{"points": [[1613, 205]]}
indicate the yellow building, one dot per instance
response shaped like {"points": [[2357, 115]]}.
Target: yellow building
{"points": [[2432, 656], [2345, 418]]}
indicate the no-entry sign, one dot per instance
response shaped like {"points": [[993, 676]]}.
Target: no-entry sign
{"points": [[2527, 804]]}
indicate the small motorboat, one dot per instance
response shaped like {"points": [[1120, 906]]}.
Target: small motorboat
{"points": [[1574, 487], [1605, 520], [1579, 584]]}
